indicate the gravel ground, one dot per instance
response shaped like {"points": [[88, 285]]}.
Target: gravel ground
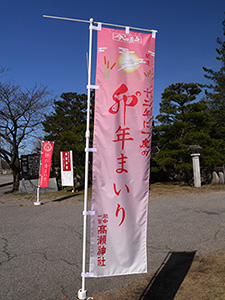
{"points": [[41, 247]]}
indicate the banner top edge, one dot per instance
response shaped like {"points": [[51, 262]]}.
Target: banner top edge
{"points": [[126, 27]]}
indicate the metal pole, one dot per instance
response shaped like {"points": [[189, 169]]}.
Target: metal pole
{"points": [[82, 293], [71, 160], [38, 188], [108, 24]]}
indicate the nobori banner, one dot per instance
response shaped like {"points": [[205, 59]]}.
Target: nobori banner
{"points": [[46, 158], [67, 168], [121, 165]]}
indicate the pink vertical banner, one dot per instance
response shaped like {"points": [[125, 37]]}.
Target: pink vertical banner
{"points": [[46, 159], [121, 165]]}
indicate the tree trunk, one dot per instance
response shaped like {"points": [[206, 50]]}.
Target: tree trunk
{"points": [[16, 181], [16, 174]]}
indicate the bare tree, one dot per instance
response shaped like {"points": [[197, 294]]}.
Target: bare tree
{"points": [[21, 112]]}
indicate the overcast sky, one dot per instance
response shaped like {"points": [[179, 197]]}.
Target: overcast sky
{"points": [[53, 52]]}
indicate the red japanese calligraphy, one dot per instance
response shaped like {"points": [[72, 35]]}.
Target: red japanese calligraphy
{"points": [[127, 188], [148, 92], [101, 239], [47, 149], [122, 161], [101, 250], [101, 262], [146, 124], [121, 137], [131, 100], [145, 144], [66, 161], [102, 229], [105, 218], [117, 192], [147, 113], [122, 210], [145, 152], [147, 103]]}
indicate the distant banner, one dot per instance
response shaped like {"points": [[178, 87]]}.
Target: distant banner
{"points": [[121, 165], [46, 158], [67, 168]]}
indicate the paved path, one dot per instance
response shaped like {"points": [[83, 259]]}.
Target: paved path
{"points": [[5, 179], [40, 247]]}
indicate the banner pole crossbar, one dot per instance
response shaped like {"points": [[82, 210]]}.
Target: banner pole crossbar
{"points": [[95, 22]]}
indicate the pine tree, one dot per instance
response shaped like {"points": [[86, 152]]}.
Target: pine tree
{"points": [[66, 126], [184, 122], [215, 92]]}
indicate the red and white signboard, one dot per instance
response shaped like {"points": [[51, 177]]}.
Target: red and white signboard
{"points": [[121, 165], [46, 159], [67, 168]]}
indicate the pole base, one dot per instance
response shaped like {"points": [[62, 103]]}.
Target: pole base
{"points": [[37, 203], [89, 298], [82, 295]]}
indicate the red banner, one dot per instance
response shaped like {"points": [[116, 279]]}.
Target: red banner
{"points": [[67, 168], [121, 164], [66, 161], [46, 158]]}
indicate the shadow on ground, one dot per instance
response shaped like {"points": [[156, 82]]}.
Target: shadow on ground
{"points": [[64, 198], [169, 277]]}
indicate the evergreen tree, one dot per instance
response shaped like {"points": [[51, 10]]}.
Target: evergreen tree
{"points": [[66, 126], [184, 122], [216, 91]]}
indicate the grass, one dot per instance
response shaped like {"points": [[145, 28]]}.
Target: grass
{"points": [[158, 189], [44, 197], [204, 281]]}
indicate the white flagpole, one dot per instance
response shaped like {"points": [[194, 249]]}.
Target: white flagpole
{"points": [[82, 293], [108, 24], [71, 163], [38, 188]]}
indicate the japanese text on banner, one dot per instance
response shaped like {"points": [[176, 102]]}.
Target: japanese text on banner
{"points": [[121, 165], [46, 158]]}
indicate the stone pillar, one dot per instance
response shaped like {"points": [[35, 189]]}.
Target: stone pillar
{"points": [[196, 169], [221, 177], [215, 179]]}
